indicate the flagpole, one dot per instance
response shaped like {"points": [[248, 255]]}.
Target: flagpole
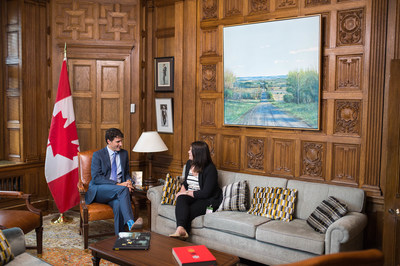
{"points": [[65, 51], [61, 219]]}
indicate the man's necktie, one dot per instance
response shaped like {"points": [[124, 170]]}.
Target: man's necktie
{"points": [[114, 167]]}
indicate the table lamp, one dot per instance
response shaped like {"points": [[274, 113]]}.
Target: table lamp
{"points": [[150, 142]]}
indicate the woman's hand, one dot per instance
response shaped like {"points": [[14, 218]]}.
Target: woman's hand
{"points": [[186, 192]]}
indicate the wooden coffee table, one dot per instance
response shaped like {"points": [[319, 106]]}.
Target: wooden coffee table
{"points": [[159, 253]]}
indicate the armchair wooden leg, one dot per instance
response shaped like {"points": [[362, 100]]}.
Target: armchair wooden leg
{"points": [[80, 225], [39, 239], [86, 235]]}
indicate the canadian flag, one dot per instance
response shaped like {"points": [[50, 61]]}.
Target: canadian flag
{"points": [[61, 167]]}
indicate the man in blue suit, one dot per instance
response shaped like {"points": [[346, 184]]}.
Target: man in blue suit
{"points": [[111, 183]]}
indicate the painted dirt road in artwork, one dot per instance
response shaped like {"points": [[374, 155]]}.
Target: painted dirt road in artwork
{"points": [[265, 114]]}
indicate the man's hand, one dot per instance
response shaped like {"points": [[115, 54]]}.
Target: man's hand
{"points": [[127, 184]]}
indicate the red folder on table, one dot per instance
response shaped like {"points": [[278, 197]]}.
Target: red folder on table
{"points": [[194, 255]]}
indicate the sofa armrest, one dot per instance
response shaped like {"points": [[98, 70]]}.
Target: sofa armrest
{"points": [[343, 231], [154, 195], [16, 238]]}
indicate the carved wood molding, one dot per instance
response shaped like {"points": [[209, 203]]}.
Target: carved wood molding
{"points": [[209, 77], [280, 4], [87, 20], [208, 112], [348, 117], [283, 158], [210, 9], [349, 72], [313, 160], [257, 6], [317, 2], [165, 33], [233, 8], [376, 95], [350, 27], [209, 42], [325, 73], [346, 163], [210, 140], [255, 153], [230, 152]]}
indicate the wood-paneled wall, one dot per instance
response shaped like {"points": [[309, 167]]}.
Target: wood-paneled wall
{"points": [[349, 147], [118, 40], [24, 46], [24, 97]]}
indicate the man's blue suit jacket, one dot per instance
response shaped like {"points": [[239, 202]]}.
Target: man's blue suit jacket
{"points": [[101, 171]]}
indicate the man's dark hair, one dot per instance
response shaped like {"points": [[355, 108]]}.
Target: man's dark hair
{"points": [[112, 133], [201, 155]]}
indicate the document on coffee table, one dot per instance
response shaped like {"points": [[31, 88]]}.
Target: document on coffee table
{"points": [[194, 255], [132, 240]]}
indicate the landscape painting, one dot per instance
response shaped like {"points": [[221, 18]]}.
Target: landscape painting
{"points": [[272, 74]]}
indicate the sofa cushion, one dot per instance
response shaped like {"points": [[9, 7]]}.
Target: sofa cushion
{"points": [[5, 251], [168, 211], [235, 197], [238, 223], [310, 195], [296, 234], [170, 188], [275, 203], [26, 259], [326, 214]]}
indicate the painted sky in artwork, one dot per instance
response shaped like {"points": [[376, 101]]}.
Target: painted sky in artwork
{"points": [[272, 48]]}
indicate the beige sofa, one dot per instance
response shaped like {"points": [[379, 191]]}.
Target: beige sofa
{"points": [[16, 238], [269, 241]]}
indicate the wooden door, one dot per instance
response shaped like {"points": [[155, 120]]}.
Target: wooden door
{"points": [[82, 75], [98, 91], [391, 229], [110, 95]]}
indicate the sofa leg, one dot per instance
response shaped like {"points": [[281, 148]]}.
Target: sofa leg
{"points": [[39, 239]]}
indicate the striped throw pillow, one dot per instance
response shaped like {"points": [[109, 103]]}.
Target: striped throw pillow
{"points": [[326, 214], [171, 187], [235, 197], [273, 202], [5, 250]]}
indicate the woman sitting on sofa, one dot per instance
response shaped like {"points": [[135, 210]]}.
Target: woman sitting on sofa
{"points": [[199, 190]]}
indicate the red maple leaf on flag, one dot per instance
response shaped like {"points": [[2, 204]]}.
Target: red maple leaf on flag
{"points": [[61, 138]]}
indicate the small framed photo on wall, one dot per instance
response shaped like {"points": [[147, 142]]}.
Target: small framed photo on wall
{"points": [[164, 74], [164, 115]]}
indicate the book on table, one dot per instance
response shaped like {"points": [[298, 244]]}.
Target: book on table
{"points": [[132, 240], [194, 255]]}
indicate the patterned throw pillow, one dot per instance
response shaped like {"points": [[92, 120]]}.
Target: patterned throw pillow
{"points": [[235, 197], [275, 203], [326, 214], [5, 250], [171, 187]]}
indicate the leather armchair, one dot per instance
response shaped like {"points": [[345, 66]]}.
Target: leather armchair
{"points": [[94, 211], [369, 257], [27, 220]]}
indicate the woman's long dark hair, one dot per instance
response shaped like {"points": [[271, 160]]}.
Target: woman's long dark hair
{"points": [[201, 156]]}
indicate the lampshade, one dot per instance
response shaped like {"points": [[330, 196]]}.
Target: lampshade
{"points": [[150, 141]]}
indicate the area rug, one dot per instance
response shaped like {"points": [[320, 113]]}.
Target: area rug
{"points": [[62, 244]]}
